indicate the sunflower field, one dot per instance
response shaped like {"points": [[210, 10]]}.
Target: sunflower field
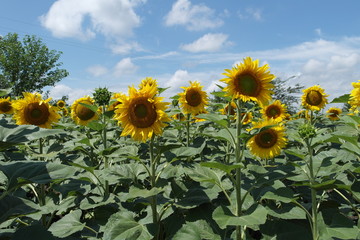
{"points": [[120, 166]]}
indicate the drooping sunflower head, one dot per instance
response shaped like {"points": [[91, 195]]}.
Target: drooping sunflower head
{"points": [[179, 116], [142, 113], [33, 110], [229, 108], [268, 143], [249, 82], [193, 99], [276, 111], [60, 104], [5, 106], [354, 100], [246, 117], [81, 114], [314, 98], [333, 113], [148, 81]]}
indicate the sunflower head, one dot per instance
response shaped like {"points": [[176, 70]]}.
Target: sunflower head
{"points": [[267, 143], [148, 81], [246, 117], [333, 113], [249, 82], [33, 110], [102, 96], [81, 114], [314, 98], [5, 106], [276, 111], [193, 99], [114, 101], [179, 116], [60, 104], [354, 100], [229, 108], [142, 113]]}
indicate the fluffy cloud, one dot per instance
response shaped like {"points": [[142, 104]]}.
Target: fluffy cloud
{"points": [[83, 19], [125, 67], [193, 17], [60, 90], [251, 13], [97, 70], [210, 42]]}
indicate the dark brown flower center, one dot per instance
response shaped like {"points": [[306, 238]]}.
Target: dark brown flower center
{"points": [[334, 113], [314, 98], [266, 138], [247, 84], [5, 106], [142, 113], [36, 113], [193, 97], [273, 111], [61, 104], [229, 109], [83, 112]]}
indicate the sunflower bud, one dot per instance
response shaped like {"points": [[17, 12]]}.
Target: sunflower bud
{"points": [[102, 96], [307, 131]]}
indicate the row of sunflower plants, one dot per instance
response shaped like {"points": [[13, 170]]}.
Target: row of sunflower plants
{"points": [[132, 166]]}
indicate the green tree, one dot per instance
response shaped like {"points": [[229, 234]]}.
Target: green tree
{"points": [[28, 65], [288, 95]]}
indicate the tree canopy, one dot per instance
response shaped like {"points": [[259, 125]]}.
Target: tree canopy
{"points": [[28, 65]]}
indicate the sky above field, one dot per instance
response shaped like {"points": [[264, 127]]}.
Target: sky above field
{"points": [[117, 43]]}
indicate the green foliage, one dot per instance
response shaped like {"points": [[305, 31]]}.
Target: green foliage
{"points": [[28, 65]]}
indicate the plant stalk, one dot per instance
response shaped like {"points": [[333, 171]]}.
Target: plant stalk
{"points": [[238, 158]]}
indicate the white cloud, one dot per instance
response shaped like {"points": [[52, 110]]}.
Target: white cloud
{"points": [[193, 17], [125, 67], [210, 42], [97, 70], [251, 13], [83, 19], [125, 47], [60, 90]]}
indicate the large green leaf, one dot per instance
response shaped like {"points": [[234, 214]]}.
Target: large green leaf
{"points": [[67, 225], [255, 215], [342, 99], [24, 172], [188, 151], [122, 225], [11, 206], [215, 118], [34, 232], [283, 194], [199, 230]]}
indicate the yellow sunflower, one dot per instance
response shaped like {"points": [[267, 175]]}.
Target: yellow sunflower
{"points": [[148, 81], [334, 113], [5, 106], [314, 98], [276, 111], [354, 100], [268, 143], [193, 100], [60, 104], [246, 117], [179, 117], [142, 114], [114, 101], [249, 82], [81, 114], [33, 110], [226, 110]]}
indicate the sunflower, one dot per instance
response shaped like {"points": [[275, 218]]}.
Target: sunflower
{"points": [[193, 100], [333, 113], [314, 98], [114, 101], [148, 81], [179, 116], [83, 115], [33, 110], [141, 114], [249, 82], [5, 106], [354, 100], [302, 114], [276, 111], [60, 104], [246, 117], [229, 108], [268, 143]]}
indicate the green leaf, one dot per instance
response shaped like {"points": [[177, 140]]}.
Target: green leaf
{"points": [[283, 194], [223, 167], [122, 225], [255, 215], [355, 189], [96, 126], [4, 92], [93, 108], [135, 192], [342, 99], [188, 151], [67, 225], [11, 206], [24, 172], [199, 230], [215, 118], [324, 185], [34, 232]]}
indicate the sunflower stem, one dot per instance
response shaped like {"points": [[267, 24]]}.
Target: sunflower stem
{"points": [[106, 160], [188, 129], [153, 185], [238, 158]]}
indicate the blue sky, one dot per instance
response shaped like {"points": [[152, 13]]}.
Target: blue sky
{"points": [[116, 43]]}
